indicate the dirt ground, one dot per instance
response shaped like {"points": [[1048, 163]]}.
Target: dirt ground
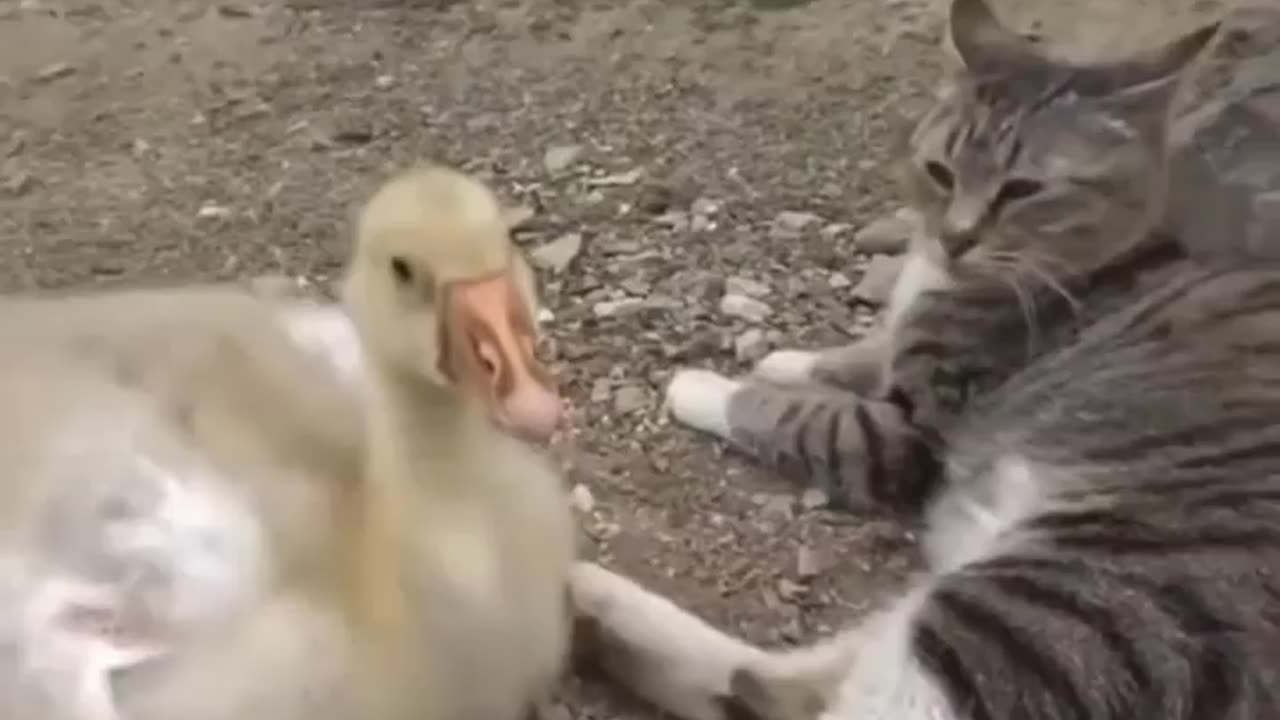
{"points": [[685, 145]]}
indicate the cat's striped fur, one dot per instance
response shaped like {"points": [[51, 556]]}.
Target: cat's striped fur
{"points": [[1101, 484], [1035, 179]]}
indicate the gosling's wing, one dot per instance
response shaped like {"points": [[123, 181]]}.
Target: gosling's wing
{"points": [[326, 331]]}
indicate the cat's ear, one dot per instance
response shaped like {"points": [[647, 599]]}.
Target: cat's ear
{"points": [[1156, 67], [983, 43]]}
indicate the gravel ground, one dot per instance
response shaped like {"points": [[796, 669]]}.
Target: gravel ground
{"points": [[673, 154]]}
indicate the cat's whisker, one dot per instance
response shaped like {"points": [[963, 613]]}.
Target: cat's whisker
{"points": [[1031, 265]]}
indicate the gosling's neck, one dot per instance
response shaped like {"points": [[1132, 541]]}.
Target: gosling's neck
{"points": [[421, 436]]}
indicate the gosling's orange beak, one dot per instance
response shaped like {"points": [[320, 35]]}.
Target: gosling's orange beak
{"points": [[489, 351]]}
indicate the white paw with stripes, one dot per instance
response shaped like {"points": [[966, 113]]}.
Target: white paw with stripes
{"points": [[787, 367], [700, 399]]}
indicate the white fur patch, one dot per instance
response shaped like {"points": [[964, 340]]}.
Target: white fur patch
{"points": [[963, 530], [787, 367], [327, 331], [700, 399], [886, 682], [919, 274]]}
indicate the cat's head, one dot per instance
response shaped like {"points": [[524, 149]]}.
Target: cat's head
{"points": [[1031, 158]]}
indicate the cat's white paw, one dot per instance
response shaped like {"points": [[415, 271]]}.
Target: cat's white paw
{"points": [[700, 399], [787, 367]]}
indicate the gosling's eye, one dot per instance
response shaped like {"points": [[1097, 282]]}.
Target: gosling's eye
{"points": [[1018, 189], [401, 271], [940, 174]]}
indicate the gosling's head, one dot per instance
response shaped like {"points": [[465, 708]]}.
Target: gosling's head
{"points": [[441, 296]]}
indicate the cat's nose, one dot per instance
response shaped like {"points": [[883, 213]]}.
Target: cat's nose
{"points": [[957, 243], [961, 227]]}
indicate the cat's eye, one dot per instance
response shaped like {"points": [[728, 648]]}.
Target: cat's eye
{"points": [[1018, 189], [401, 270], [940, 174]]}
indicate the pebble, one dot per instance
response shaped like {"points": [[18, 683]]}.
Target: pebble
{"points": [[612, 308], [790, 223], [210, 211], [738, 285], [55, 71], [774, 506], [750, 345], [629, 399], [806, 562], [704, 206], [630, 177], [814, 498], [889, 234], [558, 158], [747, 308], [556, 255], [581, 499], [877, 281], [839, 281], [601, 390]]}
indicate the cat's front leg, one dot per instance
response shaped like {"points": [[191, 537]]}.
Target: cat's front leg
{"points": [[682, 664], [860, 453], [856, 367]]}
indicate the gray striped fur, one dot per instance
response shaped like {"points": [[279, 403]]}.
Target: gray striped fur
{"points": [[1095, 449]]}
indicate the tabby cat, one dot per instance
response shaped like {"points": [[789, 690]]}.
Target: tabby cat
{"points": [[1036, 181], [1088, 419]]}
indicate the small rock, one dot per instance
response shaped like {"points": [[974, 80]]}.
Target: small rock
{"points": [[516, 216], [814, 498], [612, 308], [545, 316], [635, 286], [774, 507], [556, 255], [790, 590], [558, 158], [750, 346], [20, 184], [581, 499], [673, 219], [630, 177], [601, 390], [210, 211], [655, 199], [701, 223], [747, 308], [878, 279], [233, 10], [629, 399], [383, 82], [839, 281], [790, 223], [737, 285], [704, 206], [889, 234], [353, 133], [834, 230], [55, 71], [806, 561]]}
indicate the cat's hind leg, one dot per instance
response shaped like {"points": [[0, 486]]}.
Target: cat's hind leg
{"points": [[683, 665]]}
